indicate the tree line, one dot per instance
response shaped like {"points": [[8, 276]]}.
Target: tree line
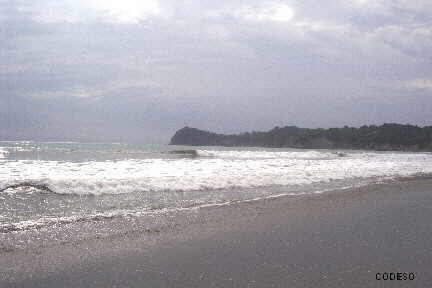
{"points": [[389, 136]]}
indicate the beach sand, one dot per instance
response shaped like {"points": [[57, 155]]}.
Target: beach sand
{"points": [[335, 239]]}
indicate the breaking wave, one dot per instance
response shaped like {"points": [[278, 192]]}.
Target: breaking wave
{"points": [[3, 152], [209, 170], [124, 213], [264, 154], [44, 185], [26, 186]]}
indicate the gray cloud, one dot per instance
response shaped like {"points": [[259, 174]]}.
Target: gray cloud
{"points": [[137, 70]]}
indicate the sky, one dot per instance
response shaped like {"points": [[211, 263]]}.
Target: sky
{"points": [[138, 70]]}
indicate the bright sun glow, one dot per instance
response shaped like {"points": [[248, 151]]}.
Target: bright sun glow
{"points": [[282, 13], [273, 12], [128, 11]]}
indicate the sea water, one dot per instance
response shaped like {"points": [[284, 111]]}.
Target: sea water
{"points": [[43, 183]]}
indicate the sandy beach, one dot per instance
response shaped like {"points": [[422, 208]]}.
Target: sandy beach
{"points": [[335, 239]]}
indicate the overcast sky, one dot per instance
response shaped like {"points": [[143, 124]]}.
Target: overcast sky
{"points": [[137, 70]]}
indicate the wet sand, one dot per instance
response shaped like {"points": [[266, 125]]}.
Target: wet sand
{"points": [[336, 239]]}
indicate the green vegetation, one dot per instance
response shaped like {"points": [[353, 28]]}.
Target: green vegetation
{"points": [[389, 136]]}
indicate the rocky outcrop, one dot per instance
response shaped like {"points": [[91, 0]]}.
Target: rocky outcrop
{"points": [[194, 137]]}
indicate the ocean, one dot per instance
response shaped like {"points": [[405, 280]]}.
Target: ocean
{"points": [[47, 183]]}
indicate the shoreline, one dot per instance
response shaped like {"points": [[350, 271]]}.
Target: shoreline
{"points": [[336, 149], [291, 234], [57, 222]]}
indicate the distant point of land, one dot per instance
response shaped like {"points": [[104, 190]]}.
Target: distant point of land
{"points": [[389, 136]]}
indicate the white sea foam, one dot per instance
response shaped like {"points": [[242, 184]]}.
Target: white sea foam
{"points": [[225, 169], [53, 221], [97, 216], [3, 152], [264, 154]]}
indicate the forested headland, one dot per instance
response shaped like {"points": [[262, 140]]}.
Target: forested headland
{"points": [[389, 136]]}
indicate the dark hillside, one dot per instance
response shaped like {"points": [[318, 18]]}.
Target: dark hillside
{"points": [[389, 136]]}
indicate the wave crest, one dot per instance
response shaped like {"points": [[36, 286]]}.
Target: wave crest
{"points": [[38, 186]]}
